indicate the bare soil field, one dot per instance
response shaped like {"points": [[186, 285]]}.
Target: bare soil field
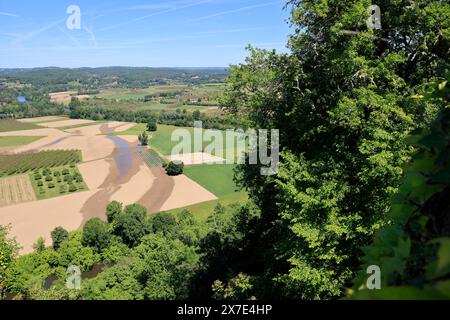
{"points": [[16, 189], [42, 119], [185, 193], [66, 96], [65, 123], [197, 158]]}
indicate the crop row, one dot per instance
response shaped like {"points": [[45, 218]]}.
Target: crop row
{"points": [[21, 163]]}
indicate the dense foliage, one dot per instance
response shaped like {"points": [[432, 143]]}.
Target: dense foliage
{"points": [[342, 103], [145, 258], [413, 250]]}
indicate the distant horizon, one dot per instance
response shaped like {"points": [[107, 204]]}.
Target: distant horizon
{"points": [[118, 66]]}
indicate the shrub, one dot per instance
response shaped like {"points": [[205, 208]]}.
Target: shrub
{"points": [[65, 172], [62, 189], [40, 183], [72, 188], [174, 168], [41, 190], [48, 178], [56, 173], [51, 185], [38, 176]]}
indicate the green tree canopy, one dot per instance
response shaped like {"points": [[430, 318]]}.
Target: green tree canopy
{"points": [[59, 234], [96, 234], [341, 100], [113, 210], [132, 225]]}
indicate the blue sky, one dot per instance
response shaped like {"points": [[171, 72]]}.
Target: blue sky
{"points": [[154, 33]]}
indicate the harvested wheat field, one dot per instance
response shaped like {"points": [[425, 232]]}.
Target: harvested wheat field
{"points": [[16, 189], [66, 96]]}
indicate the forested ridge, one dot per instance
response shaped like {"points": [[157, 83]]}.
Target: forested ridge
{"points": [[364, 178]]}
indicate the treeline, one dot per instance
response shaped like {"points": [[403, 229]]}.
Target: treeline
{"points": [[62, 79], [37, 102], [179, 119]]}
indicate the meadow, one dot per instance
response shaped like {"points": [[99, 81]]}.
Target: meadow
{"points": [[14, 125], [17, 141], [202, 211], [217, 178]]}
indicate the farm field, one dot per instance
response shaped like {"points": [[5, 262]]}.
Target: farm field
{"points": [[135, 94], [57, 181], [202, 211], [133, 131], [66, 123], [14, 125], [139, 105], [17, 141], [39, 120], [161, 140], [217, 178], [108, 167], [24, 162], [16, 189], [76, 126], [66, 96]]}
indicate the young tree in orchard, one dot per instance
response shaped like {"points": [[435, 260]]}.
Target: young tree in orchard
{"points": [[341, 100]]}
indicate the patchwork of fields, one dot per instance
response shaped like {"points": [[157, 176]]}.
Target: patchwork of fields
{"points": [[45, 184]]}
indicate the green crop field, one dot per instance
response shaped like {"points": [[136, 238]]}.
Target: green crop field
{"points": [[17, 141], [161, 140], [82, 125], [135, 94], [217, 178], [57, 181], [24, 162], [201, 211], [14, 125], [134, 131]]}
